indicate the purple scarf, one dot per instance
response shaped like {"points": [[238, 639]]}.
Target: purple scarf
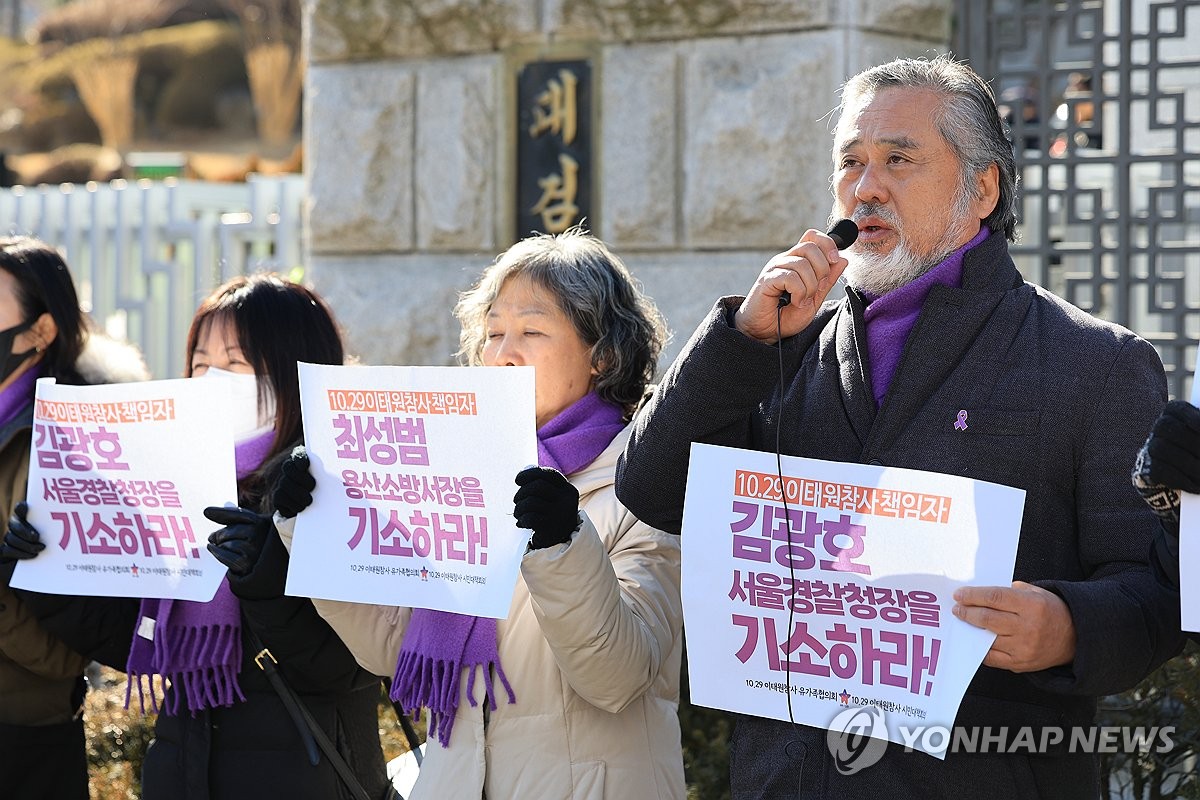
{"points": [[438, 645], [249, 454], [196, 646], [18, 395], [890, 318], [574, 438]]}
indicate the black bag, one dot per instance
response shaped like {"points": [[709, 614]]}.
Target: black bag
{"points": [[311, 733]]}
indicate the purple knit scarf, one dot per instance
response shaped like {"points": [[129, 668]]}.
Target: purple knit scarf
{"points": [[890, 318], [195, 646], [574, 438], [438, 645]]}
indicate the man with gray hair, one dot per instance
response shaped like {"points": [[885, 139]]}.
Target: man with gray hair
{"points": [[937, 328]]}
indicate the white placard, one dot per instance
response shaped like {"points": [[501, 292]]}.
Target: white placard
{"points": [[1189, 539], [119, 476], [873, 560], [414, 498]]}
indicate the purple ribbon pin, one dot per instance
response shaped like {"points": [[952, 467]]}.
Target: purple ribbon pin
{"points": [[961, 423]]}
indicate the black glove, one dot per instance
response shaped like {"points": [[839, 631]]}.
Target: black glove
{"points": [[250, 547], [240, 543], [1169, 461], [293, 490], [22, 539], [548, 504]]}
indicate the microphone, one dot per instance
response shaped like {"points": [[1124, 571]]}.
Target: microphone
{"points": [[844, 233]]}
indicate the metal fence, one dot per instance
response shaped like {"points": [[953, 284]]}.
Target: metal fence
{"points": [[1103, 98], [145, 253]]}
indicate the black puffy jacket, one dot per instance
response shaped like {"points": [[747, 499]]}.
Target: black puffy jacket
{"points": [[253, 749]]}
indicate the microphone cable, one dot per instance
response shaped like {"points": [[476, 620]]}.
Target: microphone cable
{"points": [[844, 234], [787, 517], [787, 514]]}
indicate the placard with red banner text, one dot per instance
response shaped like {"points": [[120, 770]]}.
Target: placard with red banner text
{"points": [[414, 499], [834, 586], [119, 477]]}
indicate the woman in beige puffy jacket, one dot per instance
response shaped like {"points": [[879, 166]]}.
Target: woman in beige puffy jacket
{"points": [[584, 671]]}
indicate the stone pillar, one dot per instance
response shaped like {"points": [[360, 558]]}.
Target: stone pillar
{"points": [[712, 154]]}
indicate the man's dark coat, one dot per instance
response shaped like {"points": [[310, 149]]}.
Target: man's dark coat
{"points": [[1057, 404]]}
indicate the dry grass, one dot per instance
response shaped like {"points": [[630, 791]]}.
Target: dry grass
{"points": [[14, 56], [117, 739], [271, 31], [106, 89], [14, 53], [276, 80], [51, 68]]}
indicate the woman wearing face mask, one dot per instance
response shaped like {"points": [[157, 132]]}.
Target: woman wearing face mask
{"points": [[222, 731], [581, 680], [44, 334]]}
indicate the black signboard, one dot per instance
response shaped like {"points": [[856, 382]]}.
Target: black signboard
{"points": [[554, 146]]}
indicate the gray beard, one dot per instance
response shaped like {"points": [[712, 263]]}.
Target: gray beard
{"points": [[876, 275]]}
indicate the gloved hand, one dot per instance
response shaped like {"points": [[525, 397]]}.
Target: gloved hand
{"points": [[548, 504], [293, 491], [250, 547], [239, 544], [1169, 461], [22, 540]]}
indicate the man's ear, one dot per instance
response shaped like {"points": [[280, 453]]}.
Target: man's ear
{"points": [[987, 191]]}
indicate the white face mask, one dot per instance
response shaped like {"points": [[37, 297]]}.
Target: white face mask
{"points": [[248, 418]]}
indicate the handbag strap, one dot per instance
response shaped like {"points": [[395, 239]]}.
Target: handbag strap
{"points": [[410, 733], [300, 714]]}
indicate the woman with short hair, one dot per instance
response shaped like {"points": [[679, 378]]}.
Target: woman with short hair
{"points": [[581, 680]]}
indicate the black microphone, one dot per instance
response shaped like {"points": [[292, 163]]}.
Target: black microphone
{"points": [[844, 233]]}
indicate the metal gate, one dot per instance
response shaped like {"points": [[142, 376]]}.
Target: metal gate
{"points": [[1103, 99], [145, 254]]}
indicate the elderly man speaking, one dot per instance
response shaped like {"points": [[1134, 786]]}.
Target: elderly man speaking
{"points": [[938, 328]]}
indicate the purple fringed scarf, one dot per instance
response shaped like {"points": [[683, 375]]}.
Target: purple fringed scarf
{"points": [[438, 646], [196, 646]]}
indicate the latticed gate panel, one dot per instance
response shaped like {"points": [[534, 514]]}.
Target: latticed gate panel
{"points": [[1103, 98]]}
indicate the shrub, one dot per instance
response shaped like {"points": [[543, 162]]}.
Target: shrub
{"points": [[182, 73], [92, 19], [192, 91], [116, 738], [1169, 697]]}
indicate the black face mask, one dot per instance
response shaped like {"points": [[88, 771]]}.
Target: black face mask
{"points": [[9, 361]]}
